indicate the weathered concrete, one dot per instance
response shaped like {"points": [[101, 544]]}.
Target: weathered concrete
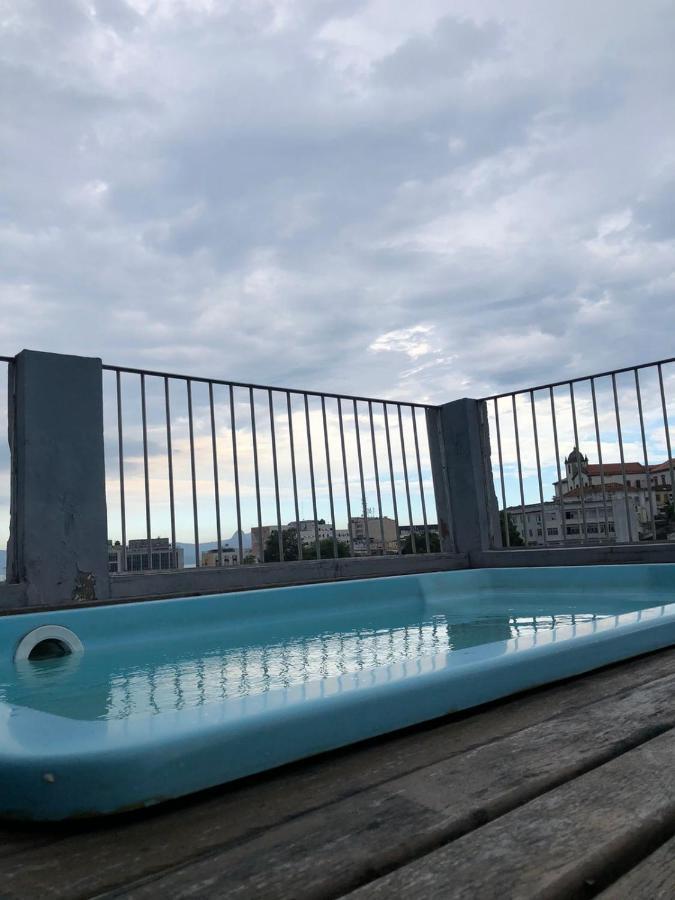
{"points": [[575, 556], [12, 596], [463, 443], [439, 469], [207, 580], [58, 527]]}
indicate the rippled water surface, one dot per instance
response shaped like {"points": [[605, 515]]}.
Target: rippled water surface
{"points": [[147, 678]]}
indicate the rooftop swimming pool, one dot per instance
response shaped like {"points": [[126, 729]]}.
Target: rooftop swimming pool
{"points": [[162, 698]]}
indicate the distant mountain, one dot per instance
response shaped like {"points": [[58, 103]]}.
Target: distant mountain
{"points": [[189, 556], [245, 540], [189, 549]]}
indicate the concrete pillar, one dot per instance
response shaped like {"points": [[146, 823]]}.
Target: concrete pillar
{"points": [[459, 442], [58, 524]]}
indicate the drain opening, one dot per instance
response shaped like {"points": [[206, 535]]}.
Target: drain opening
{"points": [[48, 642], [50, 648]]}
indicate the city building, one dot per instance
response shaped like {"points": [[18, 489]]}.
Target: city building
{"points": [[228, 557], [307, 530], [137, 557], [578, 471], [377, 528], [259, 539], [564, 521], [620, 503]]}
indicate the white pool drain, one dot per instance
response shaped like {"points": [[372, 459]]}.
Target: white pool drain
{"points": [[47, 642]]}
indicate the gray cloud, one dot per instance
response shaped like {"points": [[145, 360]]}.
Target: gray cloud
{"points": [[285, 191]]}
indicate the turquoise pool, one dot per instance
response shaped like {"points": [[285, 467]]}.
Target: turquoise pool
{"points": [[169, 697]]}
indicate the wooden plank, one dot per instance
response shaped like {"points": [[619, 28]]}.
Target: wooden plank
{"points": [[652, 879], [566, 843], [89, 859], [333, 849], [21, 839]]}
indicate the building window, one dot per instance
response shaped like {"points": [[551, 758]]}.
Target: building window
{"points": [[570, 515], [552, 532], [591, 529], [573, 529]]}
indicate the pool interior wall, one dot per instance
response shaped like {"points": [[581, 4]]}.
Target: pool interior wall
{"points": [[173, 696]]}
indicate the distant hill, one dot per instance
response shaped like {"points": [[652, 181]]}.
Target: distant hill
{"points": [[189, 549], [245, 540]]}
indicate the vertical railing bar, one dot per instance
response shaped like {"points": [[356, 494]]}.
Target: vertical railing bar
{"points": [[501, 475], [169, 460], [621, 456], [256, 473], [581, 479], [346, 477], [391, 476], [120, 447], [538, 459], [644, 451], [363, 484], [602, 465], [311, 478], [193, 470], [330, 476], [275, 471], [520, 467], [667, 428], [235, 465], [146, 471], [413, 542], [293, 472], [377, 476], [419, 475], [216, 482], [563, 521]]}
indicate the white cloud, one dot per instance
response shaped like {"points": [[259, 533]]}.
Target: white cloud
{"points": [[414, 342]]}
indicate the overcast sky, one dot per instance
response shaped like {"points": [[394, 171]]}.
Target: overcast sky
{"points": [[418, 200]]}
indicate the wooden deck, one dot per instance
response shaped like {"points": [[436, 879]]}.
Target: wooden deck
{"points": [[564, 792]]}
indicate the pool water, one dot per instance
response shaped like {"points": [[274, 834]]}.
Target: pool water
{"points": [[174, 696], [154, 677]]}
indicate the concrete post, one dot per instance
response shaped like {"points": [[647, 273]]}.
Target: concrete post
{"points": [[58, 522], [459, 442]]}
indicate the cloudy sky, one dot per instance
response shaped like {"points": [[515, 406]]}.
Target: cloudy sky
{"points": [[417, 200], [411, 200]]}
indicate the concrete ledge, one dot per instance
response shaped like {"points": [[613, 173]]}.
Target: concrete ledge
{"points": [[188, 582], [575, 556], [12, 596]]}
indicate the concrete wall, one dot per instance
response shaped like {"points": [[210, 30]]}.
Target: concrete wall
{"points": [[461, 467], [58, 524]]}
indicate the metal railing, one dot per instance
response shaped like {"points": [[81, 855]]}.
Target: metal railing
{"points": [[579, 434], [204, 456]]}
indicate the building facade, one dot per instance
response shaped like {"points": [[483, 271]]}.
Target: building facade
{"points": [[136, 556], [621, 502], [228, 555]]}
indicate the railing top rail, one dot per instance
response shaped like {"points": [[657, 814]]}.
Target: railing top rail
{"points": [[567, 381], [264, 387], [7, 359]]}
